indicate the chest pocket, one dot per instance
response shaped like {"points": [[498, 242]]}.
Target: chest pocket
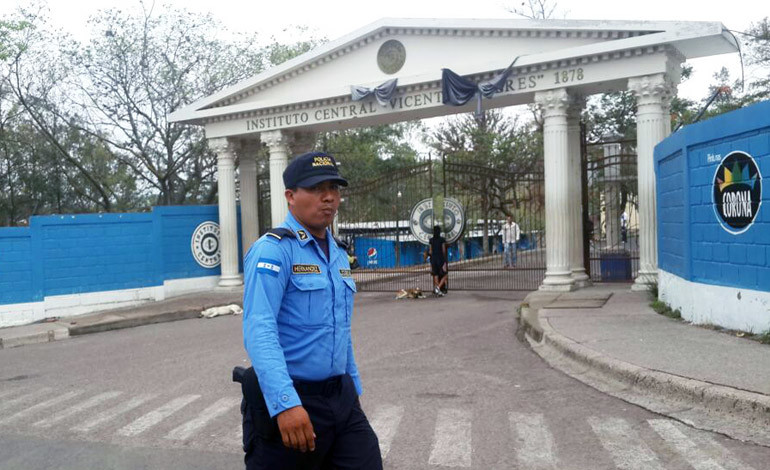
{"points": [[308, 300], [350, 289]]}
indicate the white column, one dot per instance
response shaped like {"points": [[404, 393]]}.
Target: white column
{"points": [[247, 167], [228, 223], [558, 239], [278, 143], [575, 194], [303, 142], [652, 95]]}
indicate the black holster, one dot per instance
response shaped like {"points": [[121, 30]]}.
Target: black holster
{"points": [[256, 419]]}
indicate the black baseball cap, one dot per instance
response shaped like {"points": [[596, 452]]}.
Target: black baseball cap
{"points": [[309, 169]]}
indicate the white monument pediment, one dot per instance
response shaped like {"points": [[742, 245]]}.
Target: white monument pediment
{"points": [[415, 50], [559, 64]]}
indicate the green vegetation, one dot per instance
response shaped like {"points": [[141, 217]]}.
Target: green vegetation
{"points": [[665, 310]]}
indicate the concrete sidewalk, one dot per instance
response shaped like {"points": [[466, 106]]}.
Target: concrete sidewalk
{"points": [[176, 308], [609, 338]]}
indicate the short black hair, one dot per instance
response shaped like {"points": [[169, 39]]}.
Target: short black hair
{"points": [[436, 231]]}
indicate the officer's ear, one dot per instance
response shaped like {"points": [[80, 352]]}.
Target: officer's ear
{"points": [[289, 194]]}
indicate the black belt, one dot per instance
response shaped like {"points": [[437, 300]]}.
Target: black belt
{"points": [[323, 387]]}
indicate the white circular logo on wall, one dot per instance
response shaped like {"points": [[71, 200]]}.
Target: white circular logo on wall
{"points": [[205, 245], [421, 220]]}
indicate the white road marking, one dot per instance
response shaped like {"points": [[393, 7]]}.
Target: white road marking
{"points": [[385, 421], [452, 439], [10, 391], [9, 404], [536, 447], [75, 409], [624, 444], [693, 449], [220, 407], [112, 413], [154, 417], [41, 406]]}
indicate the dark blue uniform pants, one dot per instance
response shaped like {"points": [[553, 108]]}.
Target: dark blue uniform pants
{"points": [[344, 438]]}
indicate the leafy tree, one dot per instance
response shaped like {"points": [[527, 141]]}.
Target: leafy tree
{"points": [[368, 153], [758, 54], [136, 69], [496, 157], [535, 9], [90, 118]]}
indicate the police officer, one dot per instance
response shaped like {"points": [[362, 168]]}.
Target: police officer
{"points": [[298, 303]]}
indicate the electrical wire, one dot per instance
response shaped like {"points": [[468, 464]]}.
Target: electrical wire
{"points": [[740, 55]]}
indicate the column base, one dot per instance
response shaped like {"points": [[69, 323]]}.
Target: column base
{"points": [[230, 281], [645, 281], [561, 282], [557, 287], [581, 278]]}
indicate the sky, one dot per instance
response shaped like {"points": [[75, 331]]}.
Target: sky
{"points": [[335, 18]]}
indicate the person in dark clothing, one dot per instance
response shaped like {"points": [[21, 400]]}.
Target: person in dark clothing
{"points": [[437, 250]]}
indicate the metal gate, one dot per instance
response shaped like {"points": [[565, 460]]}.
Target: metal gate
{"points": [[610, 210], [489, 195], [374, 219]]}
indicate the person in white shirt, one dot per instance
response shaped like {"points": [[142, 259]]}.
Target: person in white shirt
{"points": [[511, 235]]}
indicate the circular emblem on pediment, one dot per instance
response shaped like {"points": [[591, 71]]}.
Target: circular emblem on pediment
{"points": [[391, 56]]}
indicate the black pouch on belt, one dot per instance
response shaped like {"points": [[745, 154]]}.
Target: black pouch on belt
{"points": [[256, 419]]}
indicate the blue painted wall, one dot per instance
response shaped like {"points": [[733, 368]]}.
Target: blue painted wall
{"points": [[75, 254], [691, 242], [412, 252], [15, 266]]}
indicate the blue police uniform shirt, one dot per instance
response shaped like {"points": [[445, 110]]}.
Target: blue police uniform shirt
{"points": [[297, 311]]}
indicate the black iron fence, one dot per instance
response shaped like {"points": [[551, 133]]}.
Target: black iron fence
{"points": [[611, 216]]}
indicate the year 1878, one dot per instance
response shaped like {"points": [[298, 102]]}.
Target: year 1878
{"points": [[566, 76]]}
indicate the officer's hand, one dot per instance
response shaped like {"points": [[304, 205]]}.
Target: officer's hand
{"points": [[296, 429]]}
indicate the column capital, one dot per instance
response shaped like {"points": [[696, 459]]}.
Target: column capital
{"points": [[222, 146], [652, 89], [276, 139], [575, 106], [303, 142], [248, 149], [553, 102]]}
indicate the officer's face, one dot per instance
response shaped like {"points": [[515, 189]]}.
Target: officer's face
{"points": [[315, 207]]}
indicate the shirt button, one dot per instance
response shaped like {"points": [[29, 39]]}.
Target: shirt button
{"points": [[285, 398], [275, 406]]}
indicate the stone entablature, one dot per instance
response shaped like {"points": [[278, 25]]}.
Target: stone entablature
{"points": [[588, 75], [473, 48]]}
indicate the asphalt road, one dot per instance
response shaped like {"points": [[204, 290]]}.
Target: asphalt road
{"points": [[446, 386]]}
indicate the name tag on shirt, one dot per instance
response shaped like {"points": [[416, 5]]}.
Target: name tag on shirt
{"points": [[306, 269], [345, 272]]}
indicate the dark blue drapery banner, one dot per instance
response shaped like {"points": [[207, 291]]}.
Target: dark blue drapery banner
{"points": [[457, 90], [383, 92]]}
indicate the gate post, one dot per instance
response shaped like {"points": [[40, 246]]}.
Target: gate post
{"points": [[558, 274], [653, 94], [278, 143], [228, 219], [575, 193]]}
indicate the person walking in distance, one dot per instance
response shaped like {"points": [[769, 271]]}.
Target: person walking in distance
{"points": [[302, 410], [511, 235], [437, 251]]}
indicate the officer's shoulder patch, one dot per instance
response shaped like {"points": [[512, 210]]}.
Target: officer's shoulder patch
{"points": [[279, 233], [269, 266]]}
